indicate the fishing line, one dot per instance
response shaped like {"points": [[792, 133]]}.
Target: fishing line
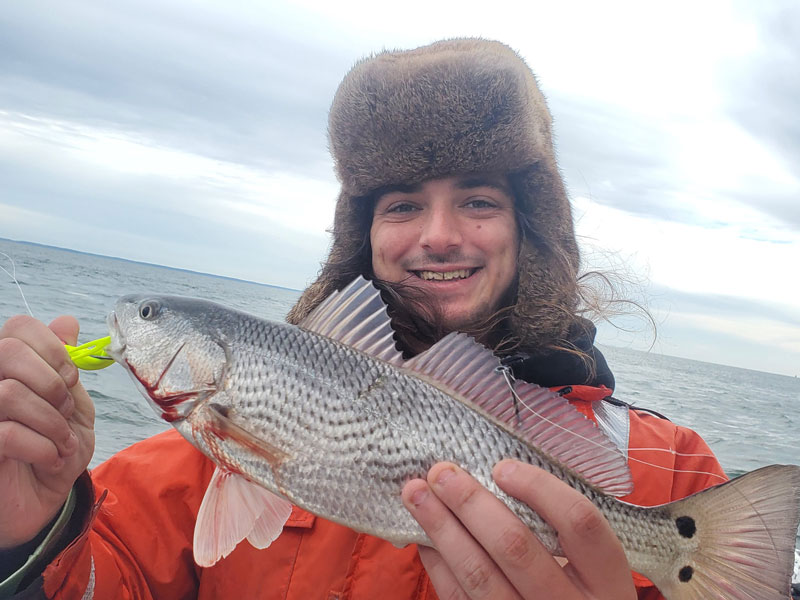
{"points": [[674, 452], [509, 382], [13, 275]]}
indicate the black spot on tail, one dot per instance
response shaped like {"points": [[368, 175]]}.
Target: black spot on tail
{"points": [[686, 526], [685, 574]]}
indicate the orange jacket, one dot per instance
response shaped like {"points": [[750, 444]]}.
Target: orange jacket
{"points": [[137, 542]]}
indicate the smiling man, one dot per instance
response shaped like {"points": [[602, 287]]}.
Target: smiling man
{"points": [[450, 188]]}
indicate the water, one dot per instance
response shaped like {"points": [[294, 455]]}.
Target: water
{"points": [[749, 418]]}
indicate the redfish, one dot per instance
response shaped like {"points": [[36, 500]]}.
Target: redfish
{"points": [[328, 416]]}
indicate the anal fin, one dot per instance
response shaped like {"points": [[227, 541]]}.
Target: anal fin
{"points": [[232, 509]]}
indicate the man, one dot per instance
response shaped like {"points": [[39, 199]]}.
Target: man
{"points": [[450, 189]]}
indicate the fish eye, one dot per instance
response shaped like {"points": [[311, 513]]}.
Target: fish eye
{"points": [[149, 310]]}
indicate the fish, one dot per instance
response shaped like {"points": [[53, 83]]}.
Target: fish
{"points": [[327, 415]]}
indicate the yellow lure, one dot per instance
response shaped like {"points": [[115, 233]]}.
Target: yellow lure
{"points": [[91, 355]]}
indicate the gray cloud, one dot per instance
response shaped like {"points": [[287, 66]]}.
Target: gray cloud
{"points": [[720, 305], [616, 158], [186, 75], [247, 88], [733, 345], [628, 161], [764, 92], [153, 219]]}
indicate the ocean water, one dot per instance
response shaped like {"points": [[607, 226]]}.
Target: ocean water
{"points": [[749, 418]]}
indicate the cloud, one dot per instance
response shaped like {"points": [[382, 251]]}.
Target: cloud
{"points": [[274, 255], [61, 165], [104, 192], [187, 75], [696, 170], [747, 254], [617, 158], [733, 306], [744, 333], [763, 89]]}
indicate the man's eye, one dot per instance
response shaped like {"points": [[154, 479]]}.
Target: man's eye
{"points": [[479, 203], [401, 207]]}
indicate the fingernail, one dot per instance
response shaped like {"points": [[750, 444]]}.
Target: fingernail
{"points": [[506, 469], [445, 475], [68, 371], [419, 497]]}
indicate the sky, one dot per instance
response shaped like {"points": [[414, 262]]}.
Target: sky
{"points": [[193, 134]]}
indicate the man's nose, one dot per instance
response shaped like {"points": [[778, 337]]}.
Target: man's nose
{"points": [[440, 230]]}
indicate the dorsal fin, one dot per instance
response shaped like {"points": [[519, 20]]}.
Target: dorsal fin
{"points": [[463, 368], [356, 316]]}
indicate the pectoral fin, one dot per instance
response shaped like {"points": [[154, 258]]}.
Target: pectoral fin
{"points": [[232, 509]]}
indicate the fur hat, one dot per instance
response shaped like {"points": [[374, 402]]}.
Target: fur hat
{"points": [[451, 108]]}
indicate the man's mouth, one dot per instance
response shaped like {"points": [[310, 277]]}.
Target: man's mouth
{"points": [[444, 275]]}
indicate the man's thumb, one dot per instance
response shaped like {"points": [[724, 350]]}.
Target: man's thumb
{"points": [[66, 328]]}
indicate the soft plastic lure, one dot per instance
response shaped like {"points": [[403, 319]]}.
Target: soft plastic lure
{"points": [[91, 355]]}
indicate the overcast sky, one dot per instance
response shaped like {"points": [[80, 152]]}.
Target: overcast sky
{"points": [[192, 134]]}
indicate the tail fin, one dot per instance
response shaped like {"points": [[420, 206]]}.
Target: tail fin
{"points": [[744, 534]]}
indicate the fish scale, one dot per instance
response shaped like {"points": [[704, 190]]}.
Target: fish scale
{"points": [[329, 416]]}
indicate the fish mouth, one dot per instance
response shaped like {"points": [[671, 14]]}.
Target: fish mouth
{"points": [[116, 348], [449, 275]]}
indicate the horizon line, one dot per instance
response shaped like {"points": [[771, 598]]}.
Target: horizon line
{"points": [[149, 264]]}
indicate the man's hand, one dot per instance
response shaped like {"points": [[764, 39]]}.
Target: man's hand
{"points": [[46, 425], [482, 550]]}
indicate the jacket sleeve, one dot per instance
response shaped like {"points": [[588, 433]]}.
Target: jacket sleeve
{"points": [[136, 540]]}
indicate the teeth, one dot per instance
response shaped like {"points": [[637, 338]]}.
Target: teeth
{"points": [[447, 275]]}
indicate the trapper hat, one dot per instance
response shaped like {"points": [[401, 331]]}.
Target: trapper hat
{"points": [[452, 108]]}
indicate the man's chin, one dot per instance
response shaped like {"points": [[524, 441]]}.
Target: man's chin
{"points": [[467, 323]]}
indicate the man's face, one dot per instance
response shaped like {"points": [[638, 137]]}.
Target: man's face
{"points": [[455, 238]]}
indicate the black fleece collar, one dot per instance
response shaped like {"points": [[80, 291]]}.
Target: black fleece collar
{"points": [[565, 368]]}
